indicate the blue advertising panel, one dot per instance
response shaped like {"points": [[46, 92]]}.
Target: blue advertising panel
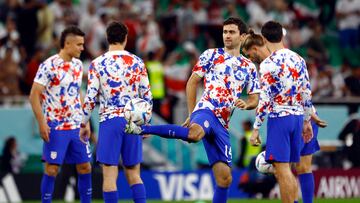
{"points": [[180, 185]]}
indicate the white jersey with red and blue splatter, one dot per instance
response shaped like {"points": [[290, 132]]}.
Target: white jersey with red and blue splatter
{"points": [[225, 77], [61, 97], [285, 87], [115, 77]]}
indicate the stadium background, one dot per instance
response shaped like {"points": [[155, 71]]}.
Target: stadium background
{"points": [[169, 35]]}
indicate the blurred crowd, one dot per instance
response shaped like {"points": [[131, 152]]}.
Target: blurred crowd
{"points": [[170, 34]]}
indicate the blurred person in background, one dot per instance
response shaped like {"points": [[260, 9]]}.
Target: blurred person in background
{"points": [[348, 20], [156, 78], [9, 75], [350, 136], [56, 103], [352, 84], [247, 150], [11, 159]]}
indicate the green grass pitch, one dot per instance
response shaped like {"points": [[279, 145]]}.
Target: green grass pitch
{"points": [[355, 200]]}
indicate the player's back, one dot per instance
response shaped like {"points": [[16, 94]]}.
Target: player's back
{"points": [[284, 74], [122, 76]]}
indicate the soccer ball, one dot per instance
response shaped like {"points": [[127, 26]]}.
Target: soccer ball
{"points": [[138, 111], [261, 165]]}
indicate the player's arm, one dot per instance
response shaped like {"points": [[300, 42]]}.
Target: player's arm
{"points": [[253, 89], [91, 94], [35, 101], [191, 87], [307, 104], [144, 88]]}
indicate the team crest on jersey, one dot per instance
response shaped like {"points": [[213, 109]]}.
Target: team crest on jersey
{"points": [[206, 124], [53, 155]]}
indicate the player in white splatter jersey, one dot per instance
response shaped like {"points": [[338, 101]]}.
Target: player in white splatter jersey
{"points": [[116, 77], [55, 100]]}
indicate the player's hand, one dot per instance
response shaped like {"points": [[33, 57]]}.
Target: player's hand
{"points": [[186, 123], [85, 133], [241, 104], [146, 136], [44, 131], [307, 133], [255, 138], [319, 122]]}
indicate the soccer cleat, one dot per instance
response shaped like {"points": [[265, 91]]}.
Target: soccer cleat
{"points": [[132, 128]]}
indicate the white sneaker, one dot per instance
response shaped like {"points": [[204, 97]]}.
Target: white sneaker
{"points": [[132, 128]]}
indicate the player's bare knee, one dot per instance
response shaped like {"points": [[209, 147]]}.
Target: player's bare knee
{"points": [[225, 180], [83, 168], [132, 175], [52, 170], [303, 168]]}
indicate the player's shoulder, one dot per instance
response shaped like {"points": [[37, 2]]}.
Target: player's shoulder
{"points": [[211, 51], [137, 58], [52, 60]]}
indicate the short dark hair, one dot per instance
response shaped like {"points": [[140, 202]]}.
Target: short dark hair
{"points": [[116, 33], [71, 30], [272, 31], [237, 21], [252, 40]]}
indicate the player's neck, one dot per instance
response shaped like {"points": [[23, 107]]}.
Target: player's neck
{"points": [[273, 47], [116, 47], [64, 55], [233, 52]]}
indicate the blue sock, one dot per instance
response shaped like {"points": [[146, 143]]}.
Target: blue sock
{"points": [[110, 197], [138, 193], [295, 201], [167, 131], [220, 195], [47, 188], [307, 187], [84, 187]]}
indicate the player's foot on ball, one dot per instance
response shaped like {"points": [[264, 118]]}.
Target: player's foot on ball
{"points": [[132, 128]]}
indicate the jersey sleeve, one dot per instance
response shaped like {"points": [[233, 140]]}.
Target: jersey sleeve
{"points": [[43, 75], [306, 93], [91, 92], [253, 86], [264, 100], [204, 63]]}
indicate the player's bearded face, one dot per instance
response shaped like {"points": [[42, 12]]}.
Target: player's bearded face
{"points": [[231, 36], [74, 45], [253, 55]]}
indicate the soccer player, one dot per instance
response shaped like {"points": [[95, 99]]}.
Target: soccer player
{"points": [[116, 77], [286, 96], [226, 74], [254, 47], [55, 100]]}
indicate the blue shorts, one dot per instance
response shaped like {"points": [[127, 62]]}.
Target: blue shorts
{"points": [[284, 139], [312, 146], [65, 146], [113, 141], [216, 140]]}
